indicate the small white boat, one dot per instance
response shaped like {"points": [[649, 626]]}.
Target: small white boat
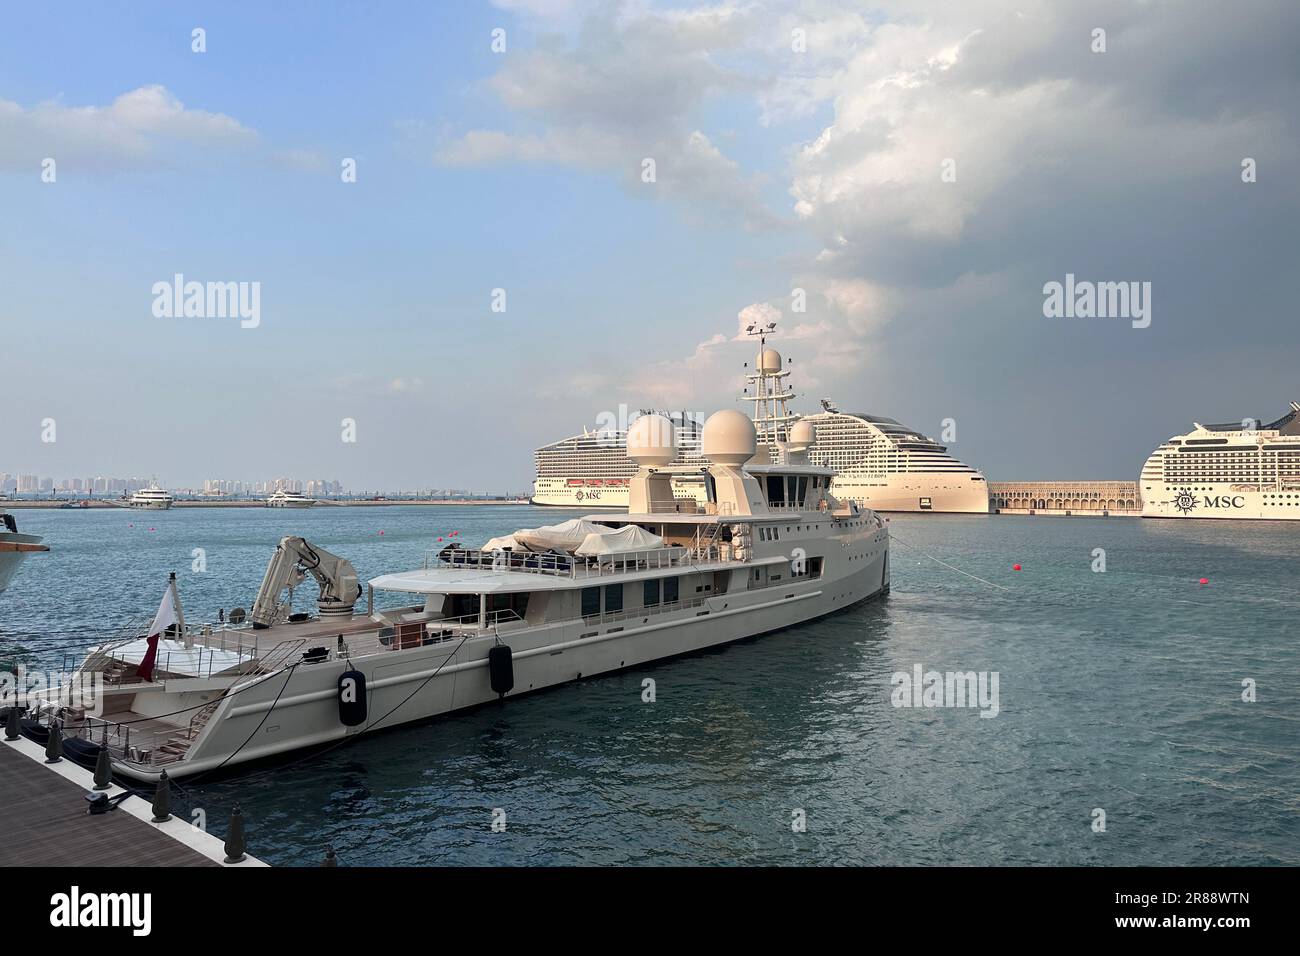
{"points": [[152, 498], [770, 548], [14, 548], [289, 499]]}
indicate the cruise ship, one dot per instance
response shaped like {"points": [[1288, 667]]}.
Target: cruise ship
{"points": [[887, 466], [770, 548], [879, 462], [593, 470], [1236, 470]]}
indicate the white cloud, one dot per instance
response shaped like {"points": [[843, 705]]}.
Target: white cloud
{"points": [[758, 314], [304, 160], [406, 386], [630, 86], [1059, 153], [140, 127]]}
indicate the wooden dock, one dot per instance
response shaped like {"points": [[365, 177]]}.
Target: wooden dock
{"points": [[43, 821]]}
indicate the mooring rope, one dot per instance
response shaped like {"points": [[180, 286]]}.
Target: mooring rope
{"points": [[895, 537]]}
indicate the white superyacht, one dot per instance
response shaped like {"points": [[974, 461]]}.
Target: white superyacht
{"points": [[769, 548], [290, 499], [152, 498]]}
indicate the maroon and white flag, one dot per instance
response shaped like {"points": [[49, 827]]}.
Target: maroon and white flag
{"points": [[164, 619]]}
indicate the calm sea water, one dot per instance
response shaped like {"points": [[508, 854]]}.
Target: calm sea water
{"points": [[1119, 690]]}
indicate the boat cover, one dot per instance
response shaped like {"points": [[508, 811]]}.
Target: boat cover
{"points": [[503, 542], [625, 539], [564, 536]]}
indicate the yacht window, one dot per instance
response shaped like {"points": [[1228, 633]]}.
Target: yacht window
{"points": [[775, 490], [802, 491], [462, 605], [670, 590], [516, 603], [613, 598], [590, 602], [651, 598]]}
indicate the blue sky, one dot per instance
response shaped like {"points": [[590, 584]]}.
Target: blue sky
{"points": [[519, 170]]}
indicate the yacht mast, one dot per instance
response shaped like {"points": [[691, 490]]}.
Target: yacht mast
{"points": [[772, 394]]}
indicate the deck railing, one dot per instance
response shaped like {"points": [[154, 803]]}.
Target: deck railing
{"points": [[556, 563], [423, 631], [614, 617]]}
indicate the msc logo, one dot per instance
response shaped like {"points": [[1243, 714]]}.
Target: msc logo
{"points": [[1225, 501], [1186, 502]]}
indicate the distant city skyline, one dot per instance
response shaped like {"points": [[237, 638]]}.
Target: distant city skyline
{"points": [[523, 215], [33, 484]]}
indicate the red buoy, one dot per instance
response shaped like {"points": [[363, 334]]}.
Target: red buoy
{"points": [[1205, 580], [1015, 567]]}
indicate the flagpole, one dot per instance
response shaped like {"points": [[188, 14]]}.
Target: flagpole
{"points": [[180, 614]]}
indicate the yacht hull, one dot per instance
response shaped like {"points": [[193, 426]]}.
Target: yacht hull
{"points": [[298, 708], [917, 493], [14, 549], [1222, 502]]}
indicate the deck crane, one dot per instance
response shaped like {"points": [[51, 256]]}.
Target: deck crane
{"points": [[294, 559]]}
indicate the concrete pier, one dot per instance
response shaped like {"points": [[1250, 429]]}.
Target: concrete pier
{"points": [[43, 820]]}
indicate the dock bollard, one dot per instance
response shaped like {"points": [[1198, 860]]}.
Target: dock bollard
{"points": [[12, 727], [330, 858], [103, 769], [162, 799], [235, 842], [54, 743]]}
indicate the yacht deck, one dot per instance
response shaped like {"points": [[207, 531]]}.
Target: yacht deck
{"points": [[485, 580]]}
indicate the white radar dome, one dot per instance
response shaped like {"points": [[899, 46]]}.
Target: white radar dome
{"points": [[729, 438], [769, 361], [651, 441], [803, 433]]}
